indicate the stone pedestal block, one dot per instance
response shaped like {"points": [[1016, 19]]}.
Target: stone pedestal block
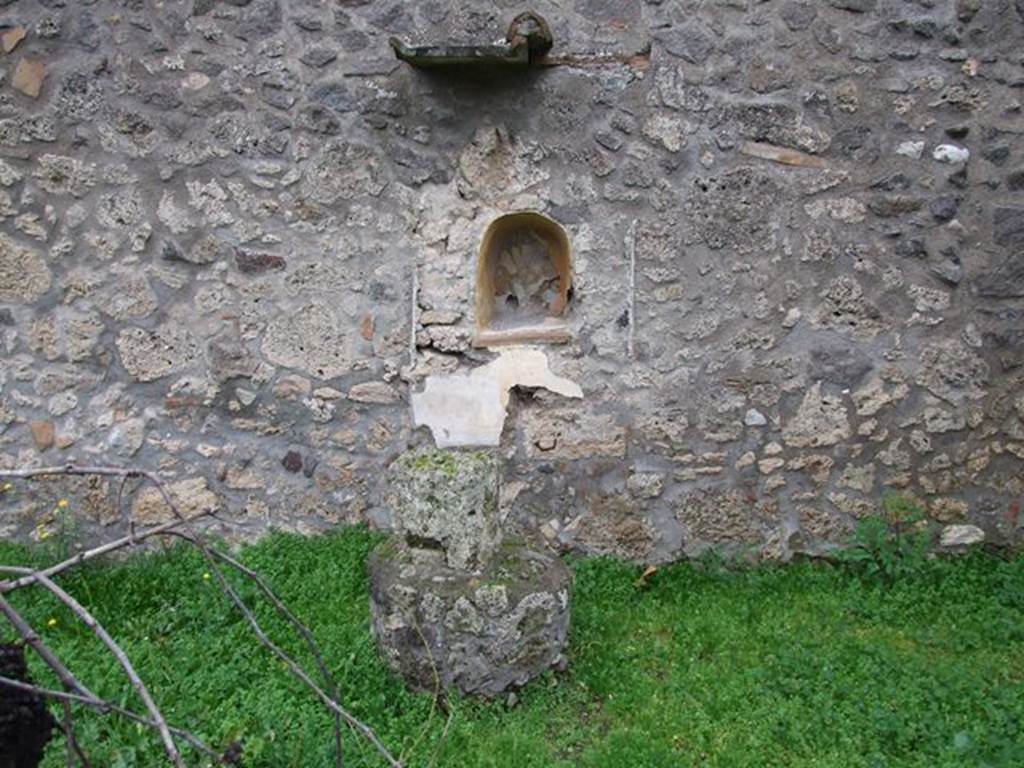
{"points": [[448, 501], [483, 633]]}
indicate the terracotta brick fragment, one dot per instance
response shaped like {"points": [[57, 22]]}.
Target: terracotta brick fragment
{"points": [[43, 433], [10, 38], [29, 76]]}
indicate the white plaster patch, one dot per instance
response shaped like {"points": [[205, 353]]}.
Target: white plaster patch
{"points": [[469, 409]]}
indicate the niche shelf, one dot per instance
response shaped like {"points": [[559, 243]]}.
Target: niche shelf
{"points": [[528, 39], [524, 281]]}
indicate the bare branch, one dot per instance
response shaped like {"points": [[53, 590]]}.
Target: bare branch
{"points": [[72, 469], [105, 707], [70, 743], [122, 658], [31, 637], [213, 557], [76, 690], [81, 557], [289, 662], [75, 753], [302, 629], [119, 505]]}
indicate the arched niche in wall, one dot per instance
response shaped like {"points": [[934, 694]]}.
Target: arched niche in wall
{"points": [[524, 281]]}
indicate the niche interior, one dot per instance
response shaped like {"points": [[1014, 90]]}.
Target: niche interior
{"points": [[524, 281]]}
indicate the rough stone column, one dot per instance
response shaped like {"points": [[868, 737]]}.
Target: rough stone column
{"points": [[483, 633], [448, 501], [453, 604]]}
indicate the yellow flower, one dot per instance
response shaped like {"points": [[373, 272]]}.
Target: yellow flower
{"points": [[44, 534], [206, 577], [62, 504], [51, 623]]}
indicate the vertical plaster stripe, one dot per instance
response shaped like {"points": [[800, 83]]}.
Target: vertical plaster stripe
{"points": [[630, 243], [413, 313]]}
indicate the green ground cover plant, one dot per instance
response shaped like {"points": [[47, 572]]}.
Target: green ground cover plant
{"points": [[893, 545], [706, 664]]}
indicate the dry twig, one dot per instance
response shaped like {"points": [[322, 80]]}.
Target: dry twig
{"points": [[104, 549], [35, 642], [77, 692], [104, 707], [75, 753], [301, 628], [118, 653]]}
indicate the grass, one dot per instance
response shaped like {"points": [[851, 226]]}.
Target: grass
{"points": [[798, 666]]}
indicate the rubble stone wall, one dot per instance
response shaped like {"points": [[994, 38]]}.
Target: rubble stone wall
{"points": [[236, 235]]}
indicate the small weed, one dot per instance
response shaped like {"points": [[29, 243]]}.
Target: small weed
{"points": [[893, 545], [57, 532]]}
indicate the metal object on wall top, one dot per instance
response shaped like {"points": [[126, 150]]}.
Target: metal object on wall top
{"points": [[528, 39]]}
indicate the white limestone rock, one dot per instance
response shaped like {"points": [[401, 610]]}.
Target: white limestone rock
{"points": [[950, 153], [24, 275], [821, 420], [961, 536]]}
